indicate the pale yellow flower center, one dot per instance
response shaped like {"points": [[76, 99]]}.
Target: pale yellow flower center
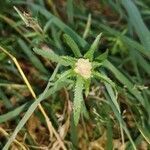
{"points": [[83, 67]]}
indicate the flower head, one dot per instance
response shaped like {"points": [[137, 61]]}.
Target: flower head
{"points": [[83, 67]]}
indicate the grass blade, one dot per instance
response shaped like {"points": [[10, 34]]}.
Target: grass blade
{"points": [[61, 25], [13, 113], [137, 22], [35, 61], [88, 26], [124, 80], [117, 113], [6, 101], [47, 92], [70, 11]]}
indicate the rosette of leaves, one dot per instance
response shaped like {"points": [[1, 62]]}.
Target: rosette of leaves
{"points": [[82, 69]]}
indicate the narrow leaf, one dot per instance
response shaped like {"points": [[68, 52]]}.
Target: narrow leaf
{"points": [[64, 76], [117, 113], [137, 22], [21, 15], [47, 92], [73, 133], [14, 113], [70, 11], [104, 78], [102, 56], [34, 59], [87, 28], [48, 54], [127, 40], [90, 53], [125, 81], [69, 60], [61, 25], [78, 98], [109, 144], [5, 100], [87, 87], [71, 43]]}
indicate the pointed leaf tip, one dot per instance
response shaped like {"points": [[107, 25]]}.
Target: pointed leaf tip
{"points": [[102, 56], [90, 53], [48, 54], [72, 44]]}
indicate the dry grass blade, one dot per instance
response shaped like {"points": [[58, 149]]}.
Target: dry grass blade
{"points": [[49, 124], [29, 21], [15, 141]]}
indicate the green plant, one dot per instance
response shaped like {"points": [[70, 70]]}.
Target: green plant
{"points": [[82, 69], [125, 35]]}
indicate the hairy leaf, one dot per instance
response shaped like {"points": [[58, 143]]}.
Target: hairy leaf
{"points": [[78, 98], [62, 78], [90, 53], [50, 55], [71, 43], [104, 78]]}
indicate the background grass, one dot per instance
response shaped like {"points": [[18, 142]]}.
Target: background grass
{"points": [[122, 123]]}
